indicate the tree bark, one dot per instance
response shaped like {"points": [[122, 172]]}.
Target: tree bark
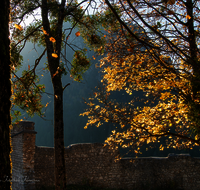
{"points": [[59, 151], [53, 63], [5, 94]]}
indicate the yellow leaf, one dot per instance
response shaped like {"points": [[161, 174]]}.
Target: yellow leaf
{"points": [[19, 27], [54, 55]]}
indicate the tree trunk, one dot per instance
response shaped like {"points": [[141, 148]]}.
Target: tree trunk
{"points": [[60, 173], [5, 93], [53, 63]]}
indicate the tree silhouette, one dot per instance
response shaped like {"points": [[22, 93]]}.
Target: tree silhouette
{"points": [[5, 94]]}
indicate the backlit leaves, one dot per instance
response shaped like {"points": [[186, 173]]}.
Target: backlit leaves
{"points": [[52, 39], [54, 55], [154, 57], [77, 34], [45, 32], [19, 27], [188, 17], [80, 64], [39, 34], [27, 93]]}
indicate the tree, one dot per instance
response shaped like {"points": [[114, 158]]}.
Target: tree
{"points": [[5, 94], [153, 48], [47, 31]]}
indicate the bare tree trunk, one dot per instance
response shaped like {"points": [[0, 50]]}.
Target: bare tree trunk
{"points": [[53, 63], [5, 93], [60, 173]]}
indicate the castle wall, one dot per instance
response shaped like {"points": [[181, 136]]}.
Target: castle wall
{"points": [[96, 165]]}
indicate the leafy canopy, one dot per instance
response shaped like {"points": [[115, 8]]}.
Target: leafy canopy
{"points": [[152, 48], [27, 92]]}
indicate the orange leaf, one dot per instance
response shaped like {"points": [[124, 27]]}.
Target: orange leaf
{"points": [[28, 67], [77, 34], [45, 32], [54, 55], [130, 50], [138, 62], [52, 39], [55, 74], [188, 16], [19, 27]]}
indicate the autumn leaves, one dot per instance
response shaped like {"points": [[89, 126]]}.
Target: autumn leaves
{"points": [[77, 34], [19, 27], [52, 39], [157, 63]]}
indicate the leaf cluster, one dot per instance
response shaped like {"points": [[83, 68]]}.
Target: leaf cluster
{"points": [[27, 93], [150, 51], [80, 64]]}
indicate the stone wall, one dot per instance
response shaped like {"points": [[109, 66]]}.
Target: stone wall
{"points": [[95, 164], [23, 142], [84, 162]]}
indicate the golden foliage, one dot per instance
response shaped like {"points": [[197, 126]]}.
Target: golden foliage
{"points": [[54, 55], [159, 64], [19, 27]]}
